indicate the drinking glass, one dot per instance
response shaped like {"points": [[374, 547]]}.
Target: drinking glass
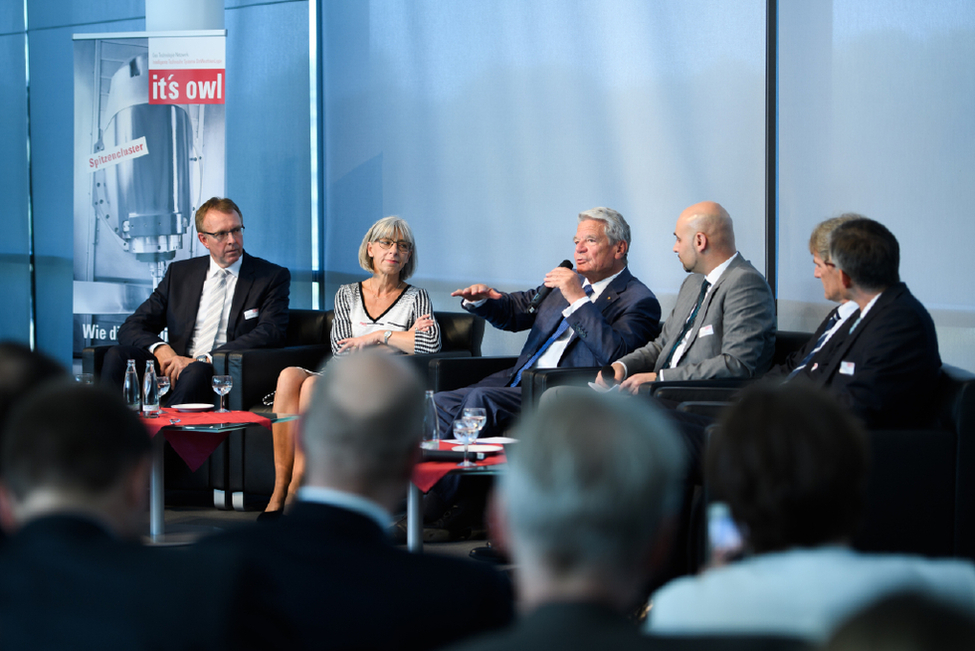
{"points": [[162, 385], [465, 431], [222, 384], [84, 378], [478, 415]]}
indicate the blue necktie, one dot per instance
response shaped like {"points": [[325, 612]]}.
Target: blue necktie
{"points": [[688, 323], [548, 342], [819, 344]]}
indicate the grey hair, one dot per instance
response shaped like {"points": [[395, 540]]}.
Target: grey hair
{"points": [[819, 240], [591, 481], [388, 227], [365, 419], [617, 230]]}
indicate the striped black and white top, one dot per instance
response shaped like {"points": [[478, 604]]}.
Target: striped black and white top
{"points": [[353, 320]]}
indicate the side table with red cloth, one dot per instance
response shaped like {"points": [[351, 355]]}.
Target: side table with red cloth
{"points": [[192, 445], [195, 446], [428, 473]]}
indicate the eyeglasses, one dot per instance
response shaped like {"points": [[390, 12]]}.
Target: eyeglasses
{"points": [[402, 245], [222, 235]]}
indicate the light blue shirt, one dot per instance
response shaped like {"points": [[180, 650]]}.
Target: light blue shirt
{"points": [[801, 592], [347, 501]]}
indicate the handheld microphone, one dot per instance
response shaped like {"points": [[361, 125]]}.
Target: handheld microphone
{"points": [[609, 374], [545, 291]]}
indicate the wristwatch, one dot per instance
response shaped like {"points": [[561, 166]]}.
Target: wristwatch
{"points": [[386, 336], [205, 357]]}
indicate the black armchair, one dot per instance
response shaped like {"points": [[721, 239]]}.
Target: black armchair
{"points": [[307, 330], [921, 483], [248, 478], [723, 390], [255, 371], [450, 374], [537, 381], [921, 491]]}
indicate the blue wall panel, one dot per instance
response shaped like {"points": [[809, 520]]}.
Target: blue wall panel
{"points": [[92, 16], [11, 19], [14, 233], [268, 134]]}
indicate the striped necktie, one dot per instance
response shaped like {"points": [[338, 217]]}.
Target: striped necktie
{"points": [[819, 344], [215, 300], [688, 323]]}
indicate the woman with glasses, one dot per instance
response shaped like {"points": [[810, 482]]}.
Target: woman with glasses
{"points": [[383, 312]]}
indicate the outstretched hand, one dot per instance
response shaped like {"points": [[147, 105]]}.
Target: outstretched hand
{"points": [[477, 292]]}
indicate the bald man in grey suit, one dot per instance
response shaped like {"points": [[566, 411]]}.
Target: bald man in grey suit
{"points": [[725, 329]]}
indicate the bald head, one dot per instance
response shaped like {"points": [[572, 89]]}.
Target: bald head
{"points": [[363, 427], [705, 237]]}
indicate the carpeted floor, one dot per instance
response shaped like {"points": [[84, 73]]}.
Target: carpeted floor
{"points": [[185, 524]]}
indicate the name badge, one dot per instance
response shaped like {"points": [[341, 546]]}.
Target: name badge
{"points": [[706, 330], [847, 368], [251, 314]]}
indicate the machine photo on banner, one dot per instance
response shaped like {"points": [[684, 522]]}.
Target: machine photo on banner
{"points": [[149, 133]]}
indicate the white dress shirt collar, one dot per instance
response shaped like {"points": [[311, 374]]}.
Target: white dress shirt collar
{"points": [[600, 285], [234, 269], [348, 501], [715, 274]]}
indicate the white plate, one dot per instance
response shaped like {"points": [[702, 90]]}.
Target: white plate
{"points": [[479, 448], [193, 406]]}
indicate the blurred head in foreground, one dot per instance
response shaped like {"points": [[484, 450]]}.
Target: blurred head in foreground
{"points": [[792, 465], [362, 431], [22, 370], [72, 448], [590, 488]]}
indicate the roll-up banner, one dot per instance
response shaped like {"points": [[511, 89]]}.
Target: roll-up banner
{"points": [[149, 149]]}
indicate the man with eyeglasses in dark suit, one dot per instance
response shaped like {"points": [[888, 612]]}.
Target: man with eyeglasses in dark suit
{"points": [[226, 301]]}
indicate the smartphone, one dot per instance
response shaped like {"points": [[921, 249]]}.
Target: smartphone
{"points": [[725, 542]]}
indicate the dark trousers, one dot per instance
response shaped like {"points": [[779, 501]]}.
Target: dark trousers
{"points": [[501, 404], [194, 384]]}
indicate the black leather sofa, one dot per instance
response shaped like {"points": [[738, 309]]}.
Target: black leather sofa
{"points": [[446, 375], [240, 473], [246, 477]]}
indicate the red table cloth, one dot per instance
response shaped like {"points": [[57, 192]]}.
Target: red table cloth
{"points": [[428, 473], [195, 447]]}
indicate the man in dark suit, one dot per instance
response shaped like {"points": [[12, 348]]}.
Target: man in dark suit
{"points": [[884, 362], [596, 315], [584, 510], [332, 579], [825, 270], [74, 470], [226, 301], [723, 324], [589, 319]]}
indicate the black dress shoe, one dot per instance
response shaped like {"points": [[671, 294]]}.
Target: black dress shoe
{"points": [[460, 522], [270, 516]]}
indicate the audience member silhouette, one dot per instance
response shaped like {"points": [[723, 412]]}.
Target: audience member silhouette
{"points": [[74, 470], [330, 576]]}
